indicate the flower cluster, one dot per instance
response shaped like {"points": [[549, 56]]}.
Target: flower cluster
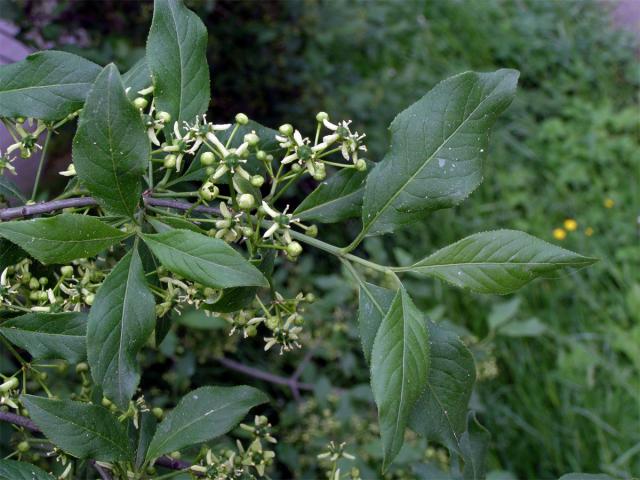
{"points": [[69, 289], [246, 463], [25, 141], [569, 225], [332, 455]]}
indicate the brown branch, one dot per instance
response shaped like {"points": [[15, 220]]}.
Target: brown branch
{"points": [[262, 375], [54, 205], [19, 420], [103, 472]]}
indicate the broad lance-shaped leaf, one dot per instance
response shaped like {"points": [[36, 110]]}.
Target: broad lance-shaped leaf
{"points": [[499, 261], [440, 413], [335, 199], [62, 238], [49, 335], [10, 254], [437, 148], [177, 59], [80, 429], [399, 368], [120, 322], [203, 259], [46, 85], [10, 191], [474, 444], [137, 78], [202, 415], [111, 148], [14, 470]]}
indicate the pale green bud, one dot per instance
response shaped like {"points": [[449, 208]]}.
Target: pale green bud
{"points": [[246, 201], [164, 117], [257, 181], [294, 249], [10, 384], [286, 129], [261, 155], [67, 271], [312, 231], [361, 165], [207, 158], [322, 116], [242, 119], [140, 103], [251, 138], [170, 161]]}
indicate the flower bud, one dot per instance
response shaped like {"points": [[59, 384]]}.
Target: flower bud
{"points": [[261, 155], [208, 191], [89, 299], [140, 103], [322, 116], [296, 167], [207, 158], [286, 129], [251, 331], [320, 172], [247, 231], [312, 231], [294, 249], [361, 165], [43, 281], [10, 384], [66, 271], [42, 296], [106, 402], [34, 284], [23, 447], [310, 297], [175, 455], [210, 171], [246, 201], [157, 412], [272, 323], [164, 117], [251, 138], [170, 161], [257, 181], [242, 119], [82, 367]]}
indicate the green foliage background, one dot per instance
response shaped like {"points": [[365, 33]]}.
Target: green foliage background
{"points": [[558, 397]]}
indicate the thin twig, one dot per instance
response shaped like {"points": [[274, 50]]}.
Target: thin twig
{"points": [[262, 375], [104, 474], [19, 420], [54, 205]]}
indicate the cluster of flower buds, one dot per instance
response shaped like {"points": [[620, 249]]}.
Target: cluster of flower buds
{"points": [[282, 317], [9, 392], [178, 292], [70, 289], [241, 463]]}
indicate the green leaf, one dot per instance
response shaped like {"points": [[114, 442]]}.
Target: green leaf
{"points": [[440, 413], [62, 238], [399, 368], [46, 85], [10, 254], [203, 259], [80, 429], [233, 299], [171, 223], [202, 415], [374, 305], [111, 148], [49, 335], [120, 322], [14, 470], [499, 261], [148, 425], [177, 59], [531, 327], [474, 444], [437, 148], [9, 190], [137, 78], [336, 199], [585, 476]]}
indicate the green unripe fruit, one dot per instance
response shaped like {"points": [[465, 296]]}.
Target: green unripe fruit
{"points": [[175, 455], [294, 249], [361, 165], [140, 103], [257, 181], [23, 447], [34, 283], [43, 281], [66, 271], [261, 155], [286, 129], [10, 384], [322, 116], [208, 191], [170, 161], [164, 117], [207, 158], [246, 201], [82, 367], [42, 296], [252, 139], [251, 331], [35, 296], [157, 412], [310, 297], [242, 119]]}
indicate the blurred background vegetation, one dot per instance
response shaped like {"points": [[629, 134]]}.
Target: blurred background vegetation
{"points": [[559, 362]]}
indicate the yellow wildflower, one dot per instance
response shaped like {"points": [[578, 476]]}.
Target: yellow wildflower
{"points": [[559, 233], [609, 202], [588, 231], [570, 225]]}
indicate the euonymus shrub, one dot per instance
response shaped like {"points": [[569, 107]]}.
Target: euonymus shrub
{"points": [[166, 209]]}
